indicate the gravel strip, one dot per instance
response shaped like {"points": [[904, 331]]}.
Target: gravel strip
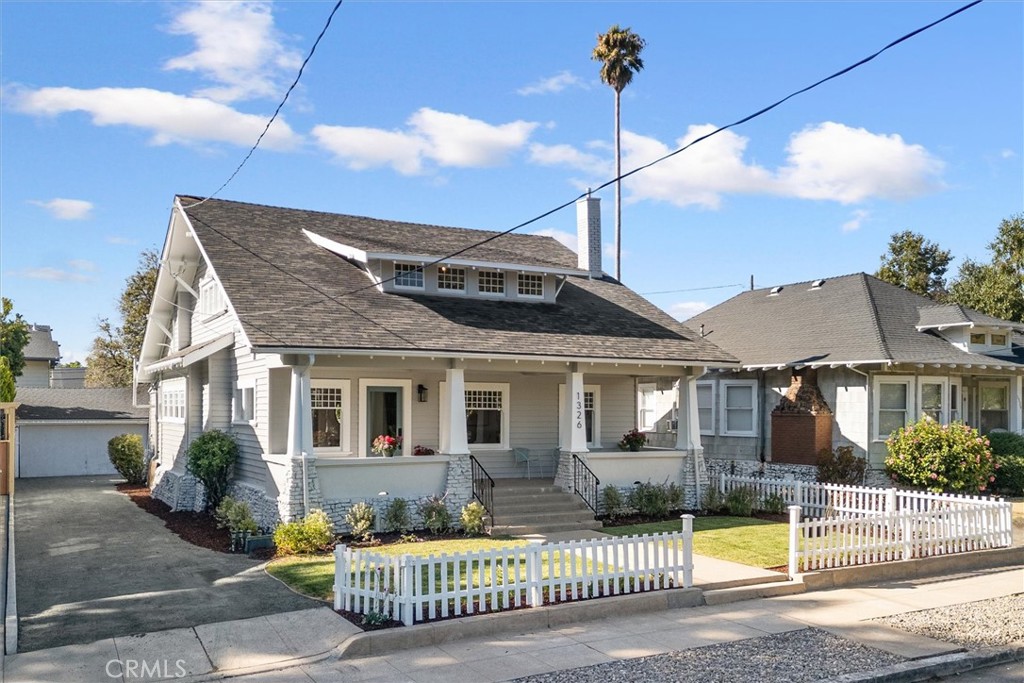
{"points": [[986, 623], [794, 657]]}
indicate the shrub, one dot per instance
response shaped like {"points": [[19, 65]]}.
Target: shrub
{"points": [[360, 519], [473, 516], [211, 457], [740, 501], [774, 505], [940, 457], [127, 457], [674, 496], [1006, 443], [235, 515], [649, 500], [309, 535], [1010, 475], [841, 467], [612, 502], [712, 500], [436, 516], [396, 516]]}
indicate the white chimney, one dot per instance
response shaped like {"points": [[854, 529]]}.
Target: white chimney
{"points": [[588, 234]]}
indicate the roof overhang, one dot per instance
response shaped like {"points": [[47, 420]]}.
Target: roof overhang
{"points": [[191, 354]]}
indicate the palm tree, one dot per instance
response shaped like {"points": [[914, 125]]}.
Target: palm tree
{"points": [[619, 51]]}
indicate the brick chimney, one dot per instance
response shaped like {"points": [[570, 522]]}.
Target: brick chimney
{"points": [[588, 234]]}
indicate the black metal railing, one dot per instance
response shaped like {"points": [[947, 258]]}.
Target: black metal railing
{"points": [[483, 485], [585, 482]]}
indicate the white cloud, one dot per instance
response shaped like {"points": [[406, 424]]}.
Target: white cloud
{"points": [[66, 209], [684, 310], [171, 118], [567, 238], [52, 274], [1007, 153], [83, 265], [236, 46], [567, 155], [552, 84], [445, 139], [858, 218]]}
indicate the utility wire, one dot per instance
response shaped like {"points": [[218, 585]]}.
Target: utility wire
{"points": [[691, 289], [277, 111]]}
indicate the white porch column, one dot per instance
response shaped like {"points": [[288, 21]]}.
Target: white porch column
{"points": [[688, 429], [1017, 404], [300, 415], [454, 440], [574, 425]]}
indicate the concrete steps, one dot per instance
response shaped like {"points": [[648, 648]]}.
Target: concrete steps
{"points": [[525, 506]]}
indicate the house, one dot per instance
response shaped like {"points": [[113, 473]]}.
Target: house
{"points": [[307, 334], [42, 354], [64, 432], [845, 361]]}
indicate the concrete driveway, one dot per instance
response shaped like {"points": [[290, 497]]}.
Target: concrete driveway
{"points": [[91, 564]]}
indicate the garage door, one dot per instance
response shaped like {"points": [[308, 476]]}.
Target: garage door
{"points": [[62, 450]]}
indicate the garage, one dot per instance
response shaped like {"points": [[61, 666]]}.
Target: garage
{"points": [[64, 432]]}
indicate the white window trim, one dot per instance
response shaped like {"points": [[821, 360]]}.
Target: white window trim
{"points": [[449, 290], [641, 425], [714, 404], [943, 382], [407, 433], [506, 411], [1007, 388], [174, 386], [345, 449], [543, 286], [960, 410], [496, 295], [415, 288], [876, 384], [723, 413], [596, 389], [237, 399]]}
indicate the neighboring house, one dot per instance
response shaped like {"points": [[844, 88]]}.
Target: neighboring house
{"points": [[308, 334], [64, 432], [858, 358], [42, 354]]}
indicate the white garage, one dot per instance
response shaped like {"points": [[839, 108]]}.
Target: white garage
{"points": [[64, 432]]}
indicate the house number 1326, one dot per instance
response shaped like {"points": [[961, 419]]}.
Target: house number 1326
{"points": [[579, 411]]}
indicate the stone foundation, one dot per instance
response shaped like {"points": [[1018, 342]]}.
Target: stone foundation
{"points": [[753, 468], [181, 491], [459, 484], [263, 508], [337, 509], [290, 502]]}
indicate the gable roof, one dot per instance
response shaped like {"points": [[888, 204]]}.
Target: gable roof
{"points": [[939, 316], [78, 404], [848, 319], [41, 345], [290, 293]]}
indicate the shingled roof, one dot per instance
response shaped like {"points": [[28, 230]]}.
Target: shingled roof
{"points": [[77, 404], [849, 319], [41, 345], [291, 293]]}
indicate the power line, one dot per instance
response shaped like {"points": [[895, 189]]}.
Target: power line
{"points": [[690, 289], [277, 111]]}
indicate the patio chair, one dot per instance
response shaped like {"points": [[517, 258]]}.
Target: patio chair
{"points": [[523, 455]]}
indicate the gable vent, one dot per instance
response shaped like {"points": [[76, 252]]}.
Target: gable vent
{"points": [[817, 284], [775, 291]]}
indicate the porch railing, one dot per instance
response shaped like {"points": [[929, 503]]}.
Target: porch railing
{"points": [[483, 485], [585, 482]]}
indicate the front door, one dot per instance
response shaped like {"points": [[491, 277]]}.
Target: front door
{"points": [[383, 414]]}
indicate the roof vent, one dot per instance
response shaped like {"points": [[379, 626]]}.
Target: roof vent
{"points": [[817, 284], [775, 291]]}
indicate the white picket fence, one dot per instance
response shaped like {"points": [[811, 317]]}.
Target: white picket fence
{"points": [[411, 588]]}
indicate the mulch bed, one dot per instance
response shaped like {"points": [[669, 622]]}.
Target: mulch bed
{"points": [[197, 528]]}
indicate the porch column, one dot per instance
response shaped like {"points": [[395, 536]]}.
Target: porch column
{"points": [[300, 415], [454, 440], [574, 425], [301, 490], [688, 429], [1017, 404]]}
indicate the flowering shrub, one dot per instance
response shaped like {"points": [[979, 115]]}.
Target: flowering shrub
{"points": [[940, 457], [386, 445], [633, 440]]}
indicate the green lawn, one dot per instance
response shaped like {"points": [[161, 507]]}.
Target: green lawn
{"points": [[750, 541]]}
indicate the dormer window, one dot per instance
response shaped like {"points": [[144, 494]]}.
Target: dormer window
{"points": [[408, 275], [978, 338], [451, 279], [531, 284], [491, 282], [998, 339]]}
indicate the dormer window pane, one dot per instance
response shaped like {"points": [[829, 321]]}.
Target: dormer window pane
{"points": [[978, 338], [451, 279], [998, 340], [531, 284], [491, 282], [408, 275]]}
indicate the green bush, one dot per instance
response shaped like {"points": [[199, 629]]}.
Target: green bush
{"points": [[841, 467], [235, 515], [309, 535], [360, 519], [1010, 475], [612, 502], [712, 500], [1006, 443], [649, 500], [436, 516], [127, 457], [473, 518], [740, 501], [674, 496], [940, 457], [396, 516], [211, 457], [774, 505]]}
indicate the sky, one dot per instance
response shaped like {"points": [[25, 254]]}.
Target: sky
{"points": [[487, 114]]}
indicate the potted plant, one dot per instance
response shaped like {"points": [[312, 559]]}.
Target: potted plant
{"points": [[422, 450], [633, 440], [236, 517], [386, 445]]}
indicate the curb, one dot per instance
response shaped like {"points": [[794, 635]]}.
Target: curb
{"points": [[930, 668], [11, 602]]}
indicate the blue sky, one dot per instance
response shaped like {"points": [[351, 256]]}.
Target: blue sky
{"points": [[485, 114]]}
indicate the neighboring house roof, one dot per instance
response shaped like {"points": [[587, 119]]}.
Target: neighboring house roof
{"points": [[848, 319], [940, 316], [78, 404], [41, 345], [290, 293]]}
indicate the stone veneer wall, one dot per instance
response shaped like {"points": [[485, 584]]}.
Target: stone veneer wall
{"points": [[290, 502], [183, 492], [778, 470]]}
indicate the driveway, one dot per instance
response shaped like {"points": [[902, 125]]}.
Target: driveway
{"points": [[91, 564]]}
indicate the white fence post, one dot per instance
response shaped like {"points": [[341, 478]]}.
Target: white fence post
{"points": [[535, 596], [890, 500], [687, 551], [339, 583], [721, 483], [798, 493], [794, 539], [405, 590]]}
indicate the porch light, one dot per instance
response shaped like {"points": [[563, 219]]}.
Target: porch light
{"points": [[421, 393]]}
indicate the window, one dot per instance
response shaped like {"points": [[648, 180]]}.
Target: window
{"points": [[738, 408], [931, 399], [647, 416], [329, 400], [977, 338], [172, 400], [706, 407], [998, 339], [591, 413], [491, 282], [245, 402], [994, 406], [451, 279], [531, 284], [211, 298], [893, 407], [408, 275], [487, 415], [954, 400]]}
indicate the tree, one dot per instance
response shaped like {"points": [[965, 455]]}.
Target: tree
{"points": [[619, 51], [13, 337], [72, 364], [996, 288], [7, 388], [915, 264], [114, 352]]}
